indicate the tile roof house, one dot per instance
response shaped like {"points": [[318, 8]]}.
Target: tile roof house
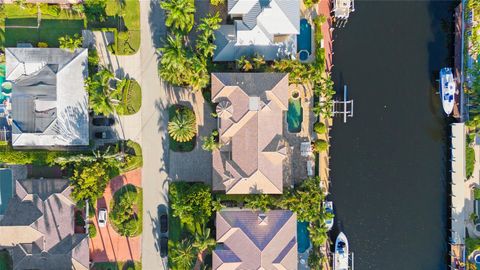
{"points": [[264, 27], [254, 240], [38, 227], [49, 99], [250, 112]]}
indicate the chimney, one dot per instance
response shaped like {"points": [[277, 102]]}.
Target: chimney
{"points": [[262, 219]]}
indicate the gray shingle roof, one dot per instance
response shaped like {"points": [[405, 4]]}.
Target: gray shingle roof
{"points": [[49, 100]]}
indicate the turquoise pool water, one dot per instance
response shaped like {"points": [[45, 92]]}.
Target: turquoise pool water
{"points": [[304, 39], [6, 189], [294, 116], [302, 236]]}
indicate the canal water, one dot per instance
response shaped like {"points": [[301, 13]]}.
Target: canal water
{"points": [[389, 162]]}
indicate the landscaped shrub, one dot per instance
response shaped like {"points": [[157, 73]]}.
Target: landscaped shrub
{"points": [[320, 128], [42, 45], [470, 161], [319, 146], [92, 230], [190, 202], [52, 10], [79, 221], [126, 212]]}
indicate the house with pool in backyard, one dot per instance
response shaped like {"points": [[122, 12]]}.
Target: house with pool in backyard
{"points": [[256, 157], [269, 28], [43, 102]]}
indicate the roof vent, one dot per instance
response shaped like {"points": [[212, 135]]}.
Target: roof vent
{"points": [[262, 219]]}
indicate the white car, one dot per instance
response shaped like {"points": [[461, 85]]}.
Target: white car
{"points": [[102, 217]]}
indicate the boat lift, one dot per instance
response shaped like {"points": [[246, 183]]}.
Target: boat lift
{"points": [[344, 107], [341, 11]]}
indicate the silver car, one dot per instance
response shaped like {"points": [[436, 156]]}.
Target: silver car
{"points": [[102, 217]]}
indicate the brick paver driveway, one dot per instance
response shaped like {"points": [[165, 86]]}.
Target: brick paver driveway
{"points": [[108, 245]]}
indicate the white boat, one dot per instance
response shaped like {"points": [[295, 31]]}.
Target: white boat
{"points": [[447, 89], [340, 257], [328, 205]]}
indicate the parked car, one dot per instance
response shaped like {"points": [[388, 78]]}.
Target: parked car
{"points": [[103, 135], [163, 247], [163, 219], [102, 217], [103, 121]]}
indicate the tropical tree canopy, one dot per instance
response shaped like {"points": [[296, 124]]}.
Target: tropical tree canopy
{"points": [[182, 255], [70, 43], [180, 14], [89, 181], [190, 202], [182, 127]]}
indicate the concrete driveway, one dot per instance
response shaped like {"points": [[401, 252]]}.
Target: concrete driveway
{"points": [[108, 245]]}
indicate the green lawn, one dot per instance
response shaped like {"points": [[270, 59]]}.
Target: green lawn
{"points": [[129, 16], [117, 265], [132, 99], [49, 31]]}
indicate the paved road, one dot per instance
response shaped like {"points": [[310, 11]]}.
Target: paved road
{"points": [[154, 118]]}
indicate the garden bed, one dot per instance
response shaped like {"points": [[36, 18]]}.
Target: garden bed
{"points": [[126, 211], [131, 97]]}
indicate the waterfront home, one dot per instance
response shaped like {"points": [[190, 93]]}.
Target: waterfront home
{"points": [[37, 223], [249, 239], [253, 155], [49, 103], [264, 27]]}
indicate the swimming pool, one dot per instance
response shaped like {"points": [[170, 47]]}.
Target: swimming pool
{"points": [[6, 189], [302, 236], [304, 40], [294, 115]]}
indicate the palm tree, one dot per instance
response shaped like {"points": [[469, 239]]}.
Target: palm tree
{"points": [[317, 233], [261, 202], [209, 24], [180, 14], [244, 64], [101, 95], [258, 61], [210, 143], [70, 43], [198, 76], [182, 127], [174, 59], [204, 46], [183, 254], [203, 240]]}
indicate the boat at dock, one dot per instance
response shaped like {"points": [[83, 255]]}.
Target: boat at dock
{"points": [[341, 255], [328, 206], [447, 89]]}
